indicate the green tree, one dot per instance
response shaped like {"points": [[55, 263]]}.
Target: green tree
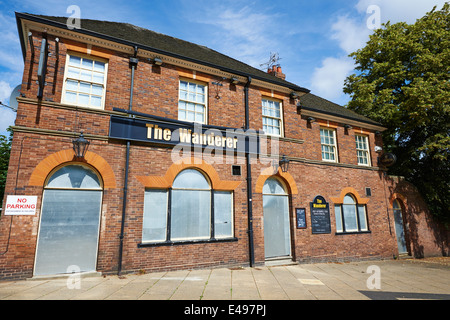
{"points": [[5, 150], [402, 80]]}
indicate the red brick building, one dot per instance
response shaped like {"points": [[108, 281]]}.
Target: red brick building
{"points": [[184, 167]]}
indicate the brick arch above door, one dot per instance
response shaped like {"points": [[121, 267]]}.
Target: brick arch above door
{"points": [[400, 197], [43, 169], [285, 176]]}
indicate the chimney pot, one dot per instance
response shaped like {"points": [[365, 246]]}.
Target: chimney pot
{"points": [[277, 72]]}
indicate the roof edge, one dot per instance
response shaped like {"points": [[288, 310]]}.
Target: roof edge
{"points": [[367, 122], [33, 18]]}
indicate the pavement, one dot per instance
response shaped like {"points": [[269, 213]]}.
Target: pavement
{"points": [[368, 280]]}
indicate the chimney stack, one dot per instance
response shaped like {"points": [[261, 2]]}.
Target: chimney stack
{"points": [[276, 71]]}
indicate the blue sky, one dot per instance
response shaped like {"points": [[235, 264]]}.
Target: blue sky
{"points": [[312, 38]]}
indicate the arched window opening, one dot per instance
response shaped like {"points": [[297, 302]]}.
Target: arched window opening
{"points": [[74, 177], [189, 211], [273, 186], [351, 216], [70, 220], [191, 206]]}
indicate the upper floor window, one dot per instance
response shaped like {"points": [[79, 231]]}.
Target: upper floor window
{"points": [[329, 146], [362, 150], [272, 119], [85, 81], [192, 104]]}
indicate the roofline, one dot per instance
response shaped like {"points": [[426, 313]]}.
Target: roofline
{"points": [[25, 16], [20, 30], [369, 124]]}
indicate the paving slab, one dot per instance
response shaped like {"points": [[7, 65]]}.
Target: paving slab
{"points": [[404, 279], [243, 285], [219, 285]]}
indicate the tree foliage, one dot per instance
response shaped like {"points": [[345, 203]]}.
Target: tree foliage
{"points": [[402, 80]]}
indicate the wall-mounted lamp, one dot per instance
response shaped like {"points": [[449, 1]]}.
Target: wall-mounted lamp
{"points": [[134, 61], [284, 164], [234, 81], [378, 149], [57, 48], [294, 95], [311, 119], [80, 146], [157, 61], [347, 126], [30, 38]]}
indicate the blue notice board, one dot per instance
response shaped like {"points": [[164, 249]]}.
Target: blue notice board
{"points": [[301, 218]]}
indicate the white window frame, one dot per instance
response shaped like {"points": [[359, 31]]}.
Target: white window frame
{"points": [[167, 206], [66, 77], [364, 152], [205, 104], [216, 236], [280, 118], [329, 145], [340, 220]]}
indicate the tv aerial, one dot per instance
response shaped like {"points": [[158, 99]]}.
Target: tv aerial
{"points": [[273, 61]]}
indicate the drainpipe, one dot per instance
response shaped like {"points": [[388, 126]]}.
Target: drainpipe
{"points": [[249, 179], [133, 65]]}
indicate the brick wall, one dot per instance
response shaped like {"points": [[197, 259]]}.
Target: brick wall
{"points": [[46, 127]]}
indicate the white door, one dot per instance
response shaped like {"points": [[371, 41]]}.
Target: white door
{"points": [[69, 226], [399, 229], [277, 235]]}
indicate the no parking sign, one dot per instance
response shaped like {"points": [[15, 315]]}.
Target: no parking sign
{"points": [[20, 206]]}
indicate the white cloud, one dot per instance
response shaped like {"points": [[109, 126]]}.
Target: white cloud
{"points": [[7, 119], [5, 91], [10, 51], [7, 116], [243, 31], [328, 80], [400, 10], [350, 34]]}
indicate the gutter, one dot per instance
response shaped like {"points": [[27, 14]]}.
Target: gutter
{"points": [[143, 47], [133, 65], [321, 114], [249, 179]]}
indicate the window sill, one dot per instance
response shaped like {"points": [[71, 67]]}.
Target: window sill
{"points": [[329, 161], [352, 232], [176, 243]]}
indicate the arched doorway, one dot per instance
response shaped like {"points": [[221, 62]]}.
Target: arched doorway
{"points": [[277, 234], [70, 219], [399, 228]]}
